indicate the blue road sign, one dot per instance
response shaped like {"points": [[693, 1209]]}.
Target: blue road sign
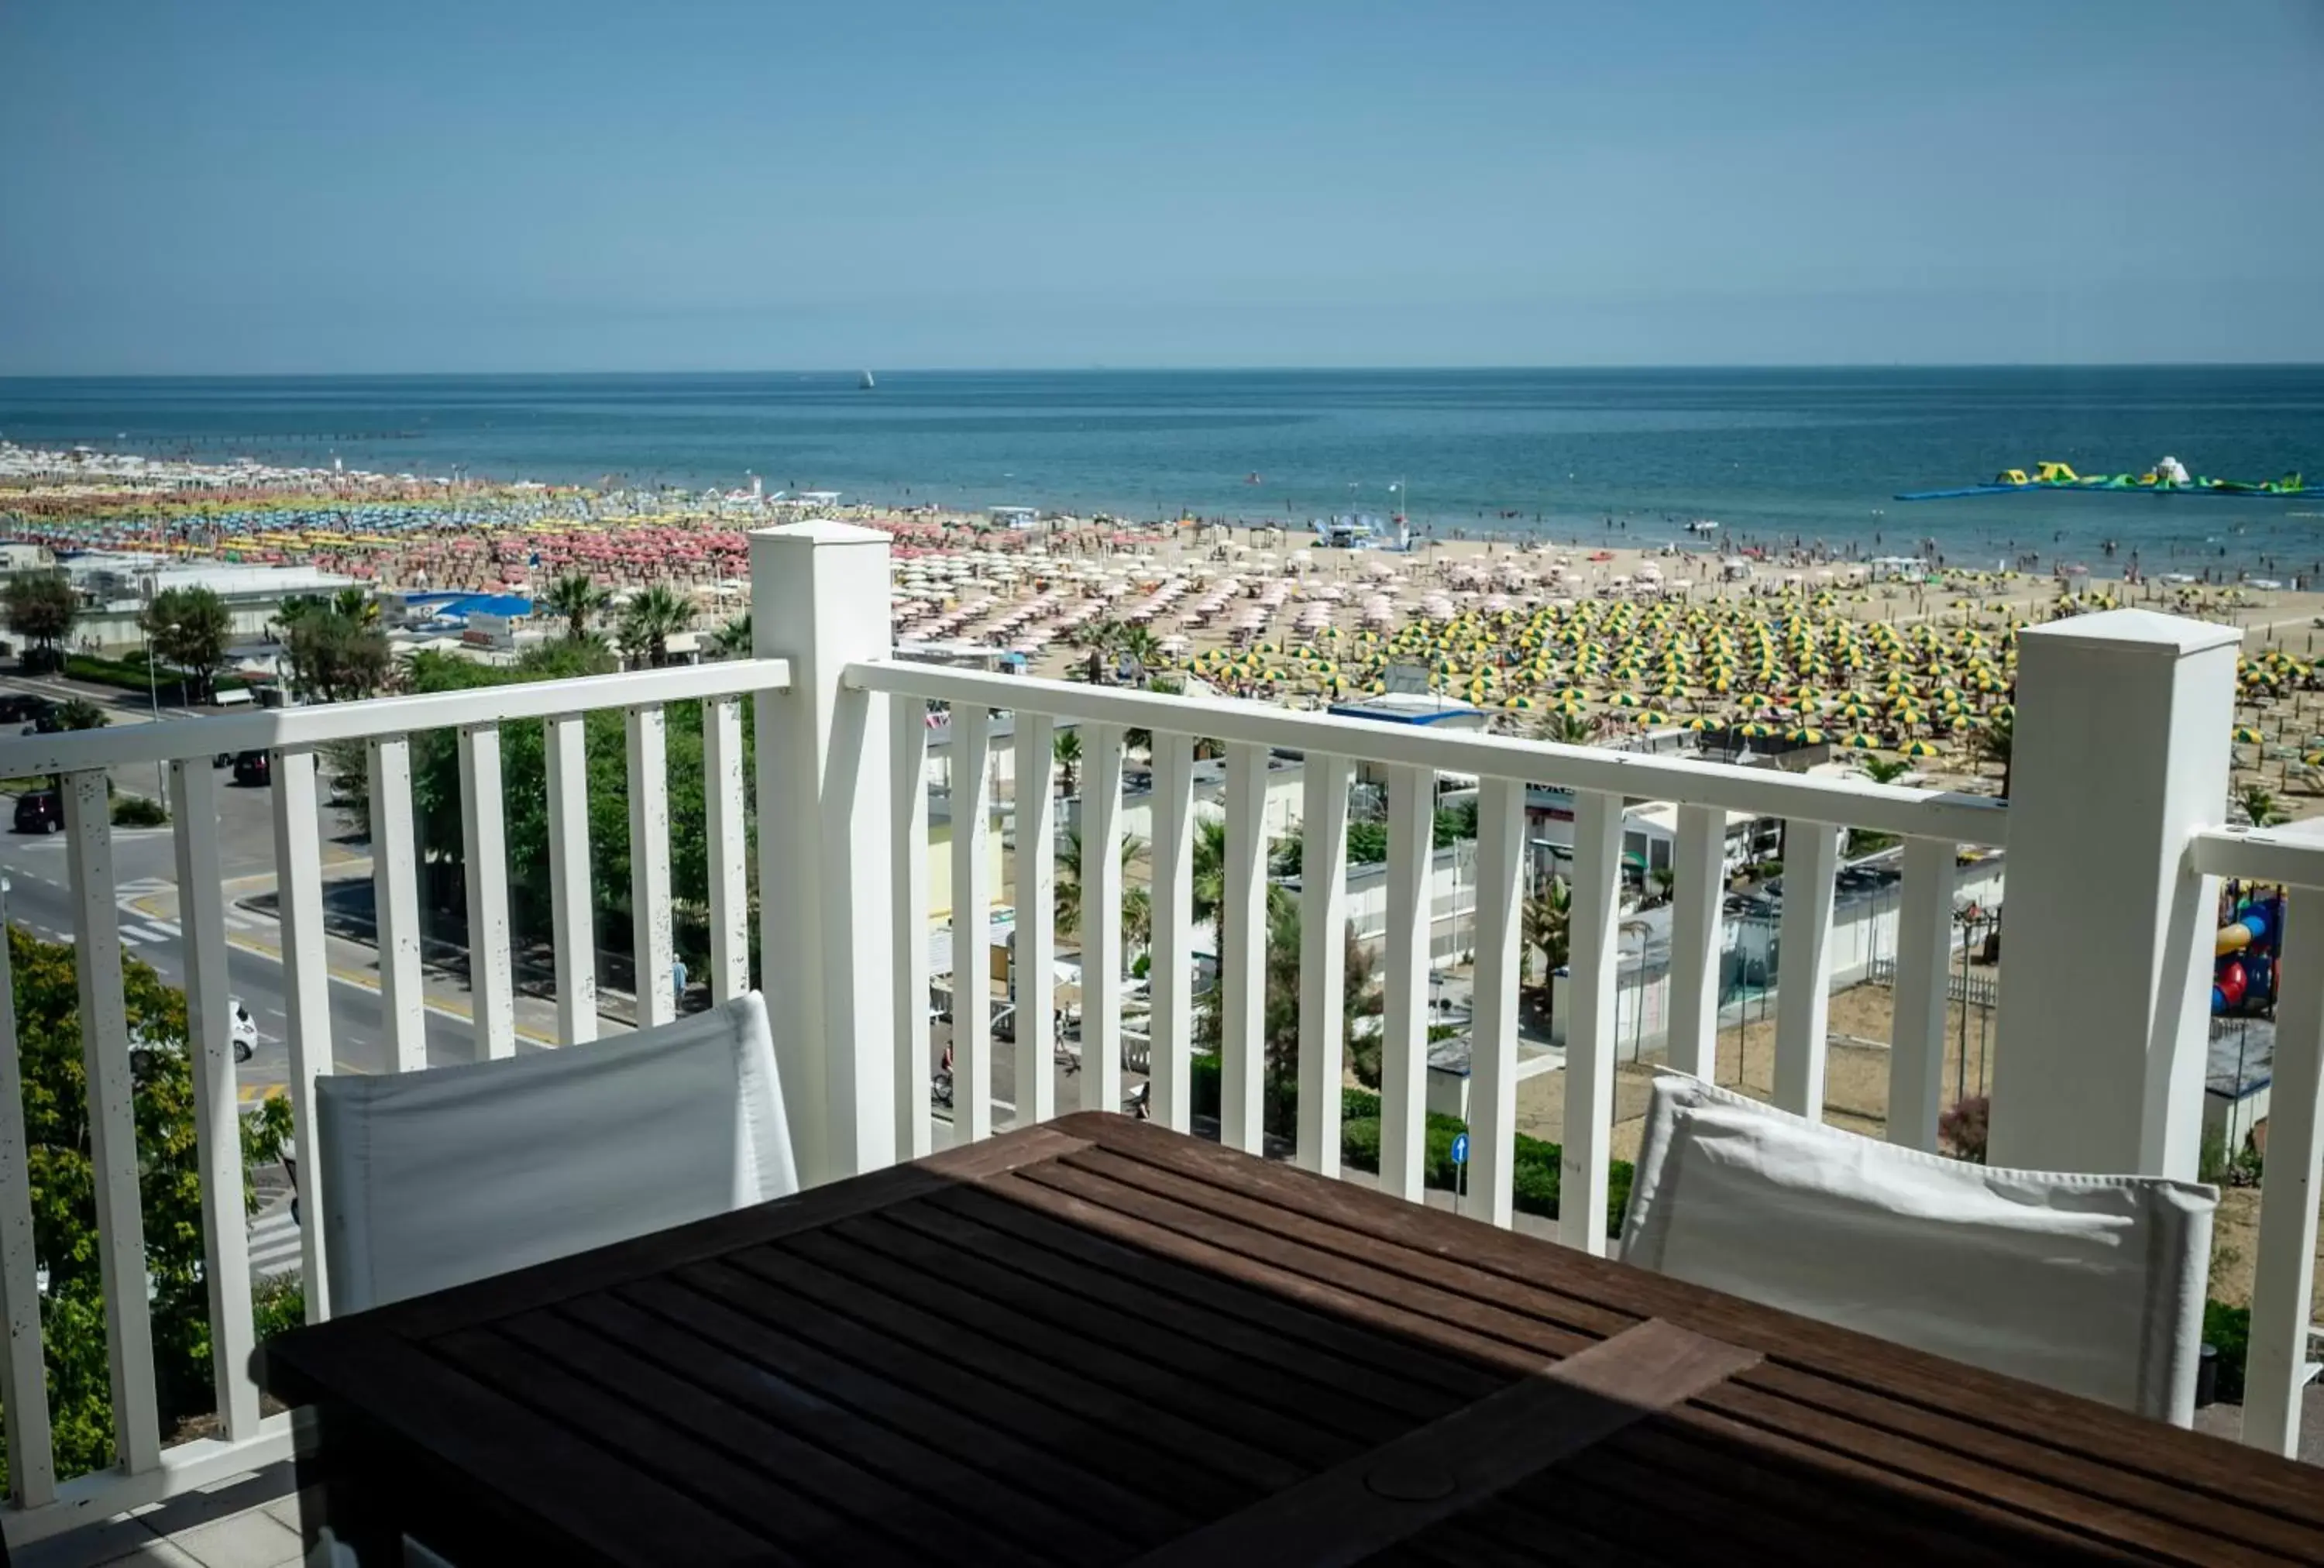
{"points": [[1459, 1149]]}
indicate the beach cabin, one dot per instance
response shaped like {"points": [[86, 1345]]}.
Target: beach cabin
{"points": [[1024, 519]]}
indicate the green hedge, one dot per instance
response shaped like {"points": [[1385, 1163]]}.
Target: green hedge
{"points": [[131, 675], [2229, 1329], [1535, 1178]]}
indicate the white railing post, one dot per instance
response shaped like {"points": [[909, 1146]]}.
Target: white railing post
{"points": [[2283, 1275], [819, 598], [2121, 753]]}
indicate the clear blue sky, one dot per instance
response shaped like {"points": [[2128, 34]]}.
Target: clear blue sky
{"points": [[482, 185]]}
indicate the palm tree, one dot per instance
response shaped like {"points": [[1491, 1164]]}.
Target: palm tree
{"points": [[1569, 729], [733, 639], [1996, 742], [1549, 931], [1140, 647], [1208, 880], [2259, 805], [1066, 748], [579, 599], [357, 605], [1885, 769], [77, 712], [651, 620], [1069, 881]]}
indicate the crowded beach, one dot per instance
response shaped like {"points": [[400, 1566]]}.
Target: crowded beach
{"points": [[1897, 659]]}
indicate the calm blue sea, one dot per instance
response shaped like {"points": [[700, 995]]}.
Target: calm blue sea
{"points": [[1770, 454]]}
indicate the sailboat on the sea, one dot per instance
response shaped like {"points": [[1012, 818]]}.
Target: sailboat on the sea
{"points": [[867, 383]]}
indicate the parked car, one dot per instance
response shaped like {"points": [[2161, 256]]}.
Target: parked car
{"points": [[256, 769], [245, 1030], [18, 707], [42, 811]]}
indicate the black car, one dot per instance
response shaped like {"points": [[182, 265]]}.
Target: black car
{"points": [[17, 707], [42, 811], [256, 769]]}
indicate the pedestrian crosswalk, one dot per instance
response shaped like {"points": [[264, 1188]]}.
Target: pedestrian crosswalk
{"points": [[155, 931], [273, 1240]]}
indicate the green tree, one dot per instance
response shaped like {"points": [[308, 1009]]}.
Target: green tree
{"points": [[1549, 931], [436, 798], [651, 620], [2259, 806], [1360, 1005], [1885, 769], [577, 599], [1069, 881], [190, 628], [1997, 742], [64, 1237], [42, 607], [334, 657], [733, 639], [77, 712], [1569, 729], [1207, 879], [356, 604], [1066, 748]]}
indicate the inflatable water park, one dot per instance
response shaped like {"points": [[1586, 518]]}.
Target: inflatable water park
{"points": [[2246, 951], [2168, 478]]}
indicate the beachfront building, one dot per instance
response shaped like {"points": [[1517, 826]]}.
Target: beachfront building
{"points": [[2117, 835], [119, 586]]}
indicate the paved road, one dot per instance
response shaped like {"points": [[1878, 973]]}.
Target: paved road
{"points": [[40, 899], [146, 879]]}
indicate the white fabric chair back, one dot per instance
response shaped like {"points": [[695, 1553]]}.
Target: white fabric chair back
{"points": [[2092, 1284], [435, 1178]]}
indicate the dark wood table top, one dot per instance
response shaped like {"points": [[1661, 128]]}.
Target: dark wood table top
{"points": [[1096, 1342]]}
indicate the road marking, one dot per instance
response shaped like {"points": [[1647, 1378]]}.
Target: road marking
{"points": [[142, 933], [274, 1241]]}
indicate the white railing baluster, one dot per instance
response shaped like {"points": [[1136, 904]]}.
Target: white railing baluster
{"points": [[650, 923], [1404, 992], [573, 921], [1916, 1047], [1500, 965], [1173, 969], [1101, 889], [112, 1121], [395, 900], [1698, 892], [1593, 943], [23, 1373], [217, 1118], [2284, 1276], [1803, 981], [972, 926], [305, 992], [1322, 959], [483, 846], [1033, 968], [908, 758], [1242, 956], [728, 844]]}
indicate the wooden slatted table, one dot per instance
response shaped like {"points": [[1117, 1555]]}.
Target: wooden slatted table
{"points": [[1095, 1342]]}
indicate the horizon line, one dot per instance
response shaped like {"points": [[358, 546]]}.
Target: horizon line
{"points": [[1172, 370]]}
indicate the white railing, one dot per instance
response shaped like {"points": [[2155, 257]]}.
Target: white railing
{"points": [[146, 1470], [2277, 1358], [2113, 828], [1933, 825]]}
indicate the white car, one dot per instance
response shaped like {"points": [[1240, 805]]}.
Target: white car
{"points": [[245, 1030]]}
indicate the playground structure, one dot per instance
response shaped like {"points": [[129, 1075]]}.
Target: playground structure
{"points": [[2243, 978]]}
